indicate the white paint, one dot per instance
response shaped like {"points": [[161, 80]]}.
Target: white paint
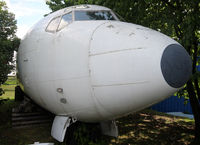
{"points": [[109, 128], [38, 143], [59, 127], [103, 67], [106, 69]]}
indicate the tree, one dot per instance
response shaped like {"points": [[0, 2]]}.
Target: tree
{"points": [[176, 18], [8, 42], [181, 19]]}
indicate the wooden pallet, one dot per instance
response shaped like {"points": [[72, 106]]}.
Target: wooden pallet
{"points": [[22, 120]]}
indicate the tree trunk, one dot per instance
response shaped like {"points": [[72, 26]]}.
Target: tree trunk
{"points": [[196, 82], [195, 109]]}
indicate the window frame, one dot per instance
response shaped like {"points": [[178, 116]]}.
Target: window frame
{"points": [[73, 19], [68, 23], [53, 31], [113, 14], [60, 18]]}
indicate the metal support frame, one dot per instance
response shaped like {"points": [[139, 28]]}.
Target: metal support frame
{"points": [[60, 125], [109, 128]]}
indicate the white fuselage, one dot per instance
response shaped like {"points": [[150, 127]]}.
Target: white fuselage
{"points": [[93, 70]]}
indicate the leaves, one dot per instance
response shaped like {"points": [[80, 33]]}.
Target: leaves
{"points": [[8, 42]]}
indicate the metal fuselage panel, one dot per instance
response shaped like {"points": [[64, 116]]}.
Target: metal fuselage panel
{"points": [[125, 68], [94, 70], [49, 61]]}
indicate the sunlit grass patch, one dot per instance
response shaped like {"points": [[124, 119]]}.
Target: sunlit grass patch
{"points": [[11, 81], [9, 88], [186, 120]]}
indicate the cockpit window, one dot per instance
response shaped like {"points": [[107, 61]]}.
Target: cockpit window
{"points": [[53, 25], [66, 19], [93, 15]]}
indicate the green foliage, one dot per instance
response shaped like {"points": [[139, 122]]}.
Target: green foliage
{"points": [[5, 111], [87, 134], [8, 42], [9, 88]]}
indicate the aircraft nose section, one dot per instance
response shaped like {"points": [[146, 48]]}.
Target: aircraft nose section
{"points": [[176, 65]]}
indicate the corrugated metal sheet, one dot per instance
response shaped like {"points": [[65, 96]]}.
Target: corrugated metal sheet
{"points": [[173, 104], [198, 68]]}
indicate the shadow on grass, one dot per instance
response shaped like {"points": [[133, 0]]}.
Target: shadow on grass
{"points": [[143, 128], [146, 127]]}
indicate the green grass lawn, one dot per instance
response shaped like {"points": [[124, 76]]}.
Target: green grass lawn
{"points": [[9, 88]]}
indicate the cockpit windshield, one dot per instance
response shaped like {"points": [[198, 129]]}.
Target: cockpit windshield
{"points": [[93, 15]]}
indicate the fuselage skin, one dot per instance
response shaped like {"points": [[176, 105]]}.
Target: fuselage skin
{"points": [[93, 70]]}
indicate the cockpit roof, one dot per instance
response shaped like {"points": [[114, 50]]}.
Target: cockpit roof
{"points": [[78, 7], [43, 23], [86, 7], [46, 20]]}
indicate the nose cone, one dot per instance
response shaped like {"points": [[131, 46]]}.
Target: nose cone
{"points": [[176, 65], [126, 59]]}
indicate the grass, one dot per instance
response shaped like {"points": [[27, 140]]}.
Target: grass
{"points": [[145, 127], [150, 127], [10, 136], [9, 88]]}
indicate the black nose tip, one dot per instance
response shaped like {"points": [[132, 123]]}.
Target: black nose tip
{"points": [[176, 65]]}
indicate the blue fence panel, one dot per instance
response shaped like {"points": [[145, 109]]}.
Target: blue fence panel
{"points": [[173, 104], [198, 68]]}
